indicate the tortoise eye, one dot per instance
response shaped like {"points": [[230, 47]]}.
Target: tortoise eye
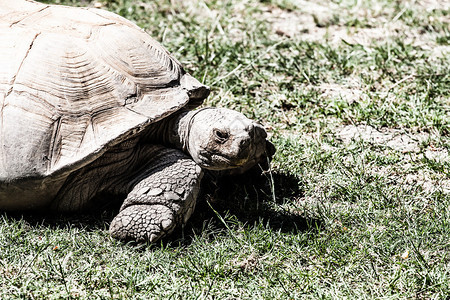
{"points": [[220, 135]]}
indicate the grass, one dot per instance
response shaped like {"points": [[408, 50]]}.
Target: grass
{"points": [[355, 95]]}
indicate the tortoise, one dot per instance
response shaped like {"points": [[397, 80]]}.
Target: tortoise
{"points": [[91, 105]]}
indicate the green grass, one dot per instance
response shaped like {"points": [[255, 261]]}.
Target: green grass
{"points": [[356, 97]]}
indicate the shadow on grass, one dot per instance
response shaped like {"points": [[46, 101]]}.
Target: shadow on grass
{"points": [[248, 199], [88, 221]]}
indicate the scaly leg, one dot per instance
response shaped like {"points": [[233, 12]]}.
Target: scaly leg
{"points": [[163, 198]]}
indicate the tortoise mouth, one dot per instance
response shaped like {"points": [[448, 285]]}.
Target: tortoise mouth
{"points": [[219, 161]]}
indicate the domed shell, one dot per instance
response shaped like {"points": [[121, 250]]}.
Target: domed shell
{"points": [[75, 81]]}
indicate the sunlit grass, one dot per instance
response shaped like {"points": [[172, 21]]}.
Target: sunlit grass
{"points": [[355, 96]]}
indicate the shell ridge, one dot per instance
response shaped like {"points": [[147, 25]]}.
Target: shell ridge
{"points": [[28, 15], [104, 14], [137, 112], [163, 66], [20, 65], [52, 154], [8, 92]]}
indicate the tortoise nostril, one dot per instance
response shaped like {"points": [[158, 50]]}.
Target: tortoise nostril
{"points": [[244, 143]]}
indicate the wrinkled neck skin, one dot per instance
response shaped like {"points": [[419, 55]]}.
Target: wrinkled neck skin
{"points": [[172, 131], [179, 130]]}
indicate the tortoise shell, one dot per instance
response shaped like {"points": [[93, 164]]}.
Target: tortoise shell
{"points": [[73, 83]]}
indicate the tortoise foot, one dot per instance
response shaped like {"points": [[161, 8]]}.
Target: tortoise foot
{"points": [[143, 223], [163, 198]]}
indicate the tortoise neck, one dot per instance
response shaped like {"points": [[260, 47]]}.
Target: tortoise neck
{"points": [[180, 129], [173, 131]]}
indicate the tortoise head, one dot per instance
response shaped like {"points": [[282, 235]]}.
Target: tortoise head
{"points": [[223, 139]]}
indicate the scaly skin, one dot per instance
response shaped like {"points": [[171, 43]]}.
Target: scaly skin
{"points": [[161, 201]]}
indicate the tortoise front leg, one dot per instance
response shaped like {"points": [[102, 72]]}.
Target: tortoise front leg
{"points": [[163, 198]]}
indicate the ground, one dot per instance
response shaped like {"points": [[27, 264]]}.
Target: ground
{"points": [[355, 96]]}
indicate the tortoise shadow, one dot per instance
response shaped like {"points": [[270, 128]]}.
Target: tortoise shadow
{"points": [[249, 198], [86, 221]]}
